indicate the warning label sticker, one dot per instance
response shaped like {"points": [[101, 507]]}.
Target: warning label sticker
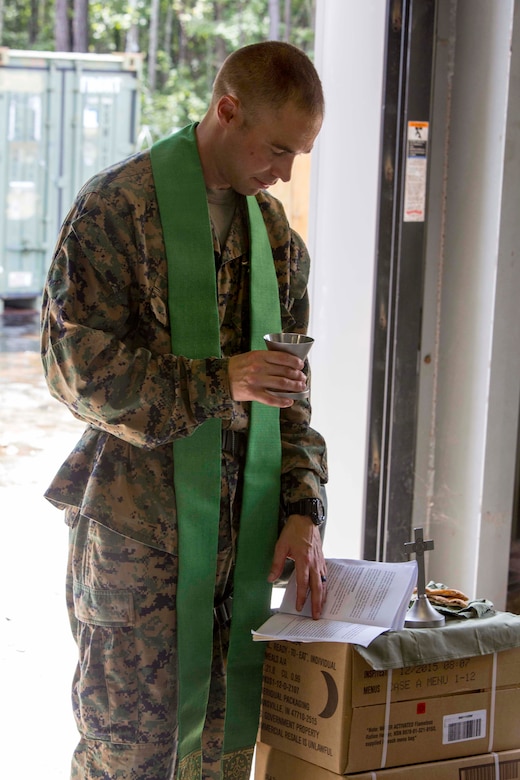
{"points": [[416, 166]]}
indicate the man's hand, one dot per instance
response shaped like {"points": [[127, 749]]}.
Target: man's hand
{"points": [[300, 540], [253, 374]]}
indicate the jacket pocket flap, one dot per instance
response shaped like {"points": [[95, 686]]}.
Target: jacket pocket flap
{"points": [[103, 607]]}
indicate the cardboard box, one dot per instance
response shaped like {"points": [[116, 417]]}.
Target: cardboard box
{"points": [[441, 678], [312, 708], [271, 764]]}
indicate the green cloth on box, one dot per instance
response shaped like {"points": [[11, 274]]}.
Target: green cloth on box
{"points": [[479, 608], [456, 639]]}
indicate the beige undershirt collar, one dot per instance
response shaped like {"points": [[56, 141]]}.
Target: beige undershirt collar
{"points": [[222, 203]]}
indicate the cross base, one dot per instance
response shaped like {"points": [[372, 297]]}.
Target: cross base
{"points": [[423, 615]]}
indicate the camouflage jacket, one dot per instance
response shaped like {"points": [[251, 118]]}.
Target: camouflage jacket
{"points": [[107, 354]]}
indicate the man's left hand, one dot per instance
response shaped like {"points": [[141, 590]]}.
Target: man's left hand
{"points": [[300, 540]]}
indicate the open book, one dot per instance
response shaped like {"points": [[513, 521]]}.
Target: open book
{"points": [[364, 599]]}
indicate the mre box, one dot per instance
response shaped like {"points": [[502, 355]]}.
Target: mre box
{"points": [[439, 678], [271, 764], [318, 705]]}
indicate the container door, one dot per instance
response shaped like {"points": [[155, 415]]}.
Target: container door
{"points": [[24, 126], [99, 125], [63, 120]]}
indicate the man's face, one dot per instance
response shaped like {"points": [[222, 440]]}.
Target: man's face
{"points": [[256, 154]]}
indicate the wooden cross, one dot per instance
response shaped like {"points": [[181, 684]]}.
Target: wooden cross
{"points": [[419, 546]]}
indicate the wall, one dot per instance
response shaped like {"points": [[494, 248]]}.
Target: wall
{"points": [[468, 413], [295, 195], [469, 362], [342, 238]]}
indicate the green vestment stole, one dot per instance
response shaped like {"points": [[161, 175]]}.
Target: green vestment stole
{"points": [[194, 323]]}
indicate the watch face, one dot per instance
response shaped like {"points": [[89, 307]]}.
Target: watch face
{"points": [[314, 509], [318, 508], [318, 517]]}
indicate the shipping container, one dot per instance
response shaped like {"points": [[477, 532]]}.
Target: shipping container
{"points": [[63, 117]]}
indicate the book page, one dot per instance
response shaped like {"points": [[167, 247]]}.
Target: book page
{"points": [[366, 592], [364, 599], [292, 628]]}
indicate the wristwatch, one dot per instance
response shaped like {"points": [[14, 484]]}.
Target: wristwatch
{"points": [[310, 507]]}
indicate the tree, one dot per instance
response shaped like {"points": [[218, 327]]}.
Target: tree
{"points": [[80, 26], [287, 21], [132, 36], [274, 20], [185, 41], [33, 22], [62, 36], [152, 45]]}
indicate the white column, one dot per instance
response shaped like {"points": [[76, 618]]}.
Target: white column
{"points": [[350, 44], [470, 368]]}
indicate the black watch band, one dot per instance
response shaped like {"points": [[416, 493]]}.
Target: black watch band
{"points": [[309, 507]]}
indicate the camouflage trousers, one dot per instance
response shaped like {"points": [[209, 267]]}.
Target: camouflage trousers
{"points": [[121, 601]]}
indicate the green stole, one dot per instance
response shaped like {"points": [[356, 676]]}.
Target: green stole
{"points": [[194, 323]]}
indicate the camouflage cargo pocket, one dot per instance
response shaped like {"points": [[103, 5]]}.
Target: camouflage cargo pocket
{"points": [[106, 686]]}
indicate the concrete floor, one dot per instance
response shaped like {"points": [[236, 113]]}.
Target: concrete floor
{"points": [[37, 655]]}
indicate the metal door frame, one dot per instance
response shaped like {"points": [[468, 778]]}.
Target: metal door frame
{"points": [[398, 286]]}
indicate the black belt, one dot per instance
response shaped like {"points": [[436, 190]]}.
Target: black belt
{"points": [[234, 442]]}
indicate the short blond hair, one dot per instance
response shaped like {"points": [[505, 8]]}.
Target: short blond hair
{"points": [[271, 74]]}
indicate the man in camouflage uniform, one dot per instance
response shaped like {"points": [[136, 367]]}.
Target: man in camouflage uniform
{"points": [[107, 355]]}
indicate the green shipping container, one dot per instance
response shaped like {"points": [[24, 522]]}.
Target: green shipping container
{"points": [[63, 117]]}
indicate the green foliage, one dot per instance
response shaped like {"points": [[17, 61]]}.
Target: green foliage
{"points": [[15, 28], [193, 38], [109, 24], [180, 101]]}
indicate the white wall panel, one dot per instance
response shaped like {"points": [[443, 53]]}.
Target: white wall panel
{"points": [[350, 44]]}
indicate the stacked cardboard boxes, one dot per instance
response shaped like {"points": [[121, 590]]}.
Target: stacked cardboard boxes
{"points": [[324, 705], [273, 764]]}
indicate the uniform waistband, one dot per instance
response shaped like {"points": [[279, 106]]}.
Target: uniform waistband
{"points": [[234, 442]]}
